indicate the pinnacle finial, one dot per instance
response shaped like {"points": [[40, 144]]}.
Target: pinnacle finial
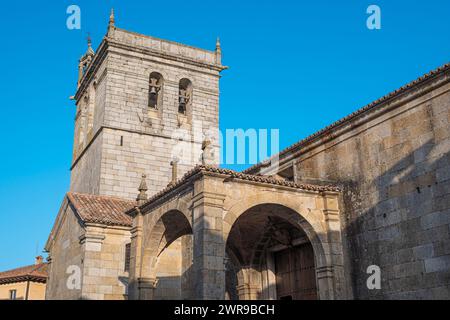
{"points": [[89, 40], [142, 196], [218, 43], [112, 19], [218, 52]]}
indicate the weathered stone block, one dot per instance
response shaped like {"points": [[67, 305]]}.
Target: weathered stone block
{"points": [[437, 264]]}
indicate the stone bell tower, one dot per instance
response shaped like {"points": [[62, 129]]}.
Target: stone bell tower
{"points": [[141, 103]]}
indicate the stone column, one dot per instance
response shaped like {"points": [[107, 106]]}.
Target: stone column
{"points": [[330, 274], [186, 267], [91, 242], [248, 291], [209, 246], [325, 282]]}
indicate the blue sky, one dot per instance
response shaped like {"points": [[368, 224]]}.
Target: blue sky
{"points": [[296, 66]]}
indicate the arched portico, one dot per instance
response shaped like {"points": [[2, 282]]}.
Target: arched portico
{"points": [[264, 237], [247, 235]]}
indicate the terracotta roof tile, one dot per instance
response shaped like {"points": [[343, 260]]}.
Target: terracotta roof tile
{"points": [[238, 176], [36, 272], [102, 209]]}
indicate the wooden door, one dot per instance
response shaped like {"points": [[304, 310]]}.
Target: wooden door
{"points": [[295, 273]]}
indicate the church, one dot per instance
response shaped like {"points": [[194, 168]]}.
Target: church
{"points": [[144, 219]]}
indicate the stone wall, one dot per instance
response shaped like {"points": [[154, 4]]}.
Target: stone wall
{"points": [[395, 169], [104, 275], [85, 176], [94, 253], [169, 273]]}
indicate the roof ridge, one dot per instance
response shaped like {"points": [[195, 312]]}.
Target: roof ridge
{"points": [[18, 268], [101, 196], [26, 270]]}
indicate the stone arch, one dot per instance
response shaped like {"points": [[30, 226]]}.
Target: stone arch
{"points": [[312, 225], [157, 213], [166, 224], [166, 242], [156, 90], [185, 96], [186, 75], [303, 216]]}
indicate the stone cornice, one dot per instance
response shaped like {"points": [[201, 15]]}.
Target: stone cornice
{"points": [[15, 279], [179, 57], [163, 40], [153, 53]]}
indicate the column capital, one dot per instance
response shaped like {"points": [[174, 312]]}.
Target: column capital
{"points": [[147, 283]]}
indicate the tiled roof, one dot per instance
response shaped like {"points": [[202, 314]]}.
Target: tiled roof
{"points": [[102, 209], [36, 273], [374, 104], [263, 179], [238, 176]]}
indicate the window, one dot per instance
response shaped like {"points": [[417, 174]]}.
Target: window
{"points": [[155, 90], [12, 294], [185, 95], [127, 256]]}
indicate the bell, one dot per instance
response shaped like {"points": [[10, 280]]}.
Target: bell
{"points": [[153, 91]]}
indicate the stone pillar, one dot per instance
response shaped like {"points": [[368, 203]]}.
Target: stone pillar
{"points": [[248, 291], [146, 288], [91, 242], [330, 275], [135, 256], [49, 285], [186, 267], [209, 246], [325, 282], [250, 288]]}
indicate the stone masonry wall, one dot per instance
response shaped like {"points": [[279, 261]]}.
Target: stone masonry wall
{"points": [[396, 173], [104, 275], [169, 273], [85, 177], [135, 139]]}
